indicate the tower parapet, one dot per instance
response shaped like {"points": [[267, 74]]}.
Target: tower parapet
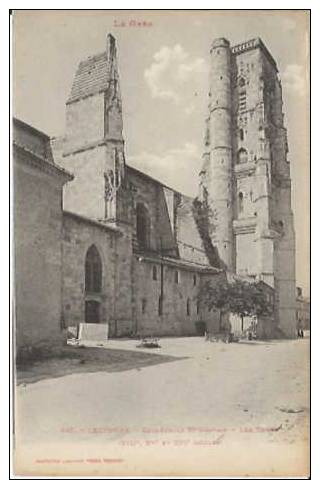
{"points": [[251, 45]]}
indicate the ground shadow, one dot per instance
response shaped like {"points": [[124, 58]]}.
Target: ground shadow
{"points": [[265, 342], [76, 360]]}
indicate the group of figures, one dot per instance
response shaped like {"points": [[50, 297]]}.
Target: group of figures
{"points": [[250, 333]]}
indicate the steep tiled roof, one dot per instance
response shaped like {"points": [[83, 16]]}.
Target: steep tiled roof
{"points": [[92, 76]]}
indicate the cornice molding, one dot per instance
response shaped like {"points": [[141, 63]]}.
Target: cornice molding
{"points": [[35, 160]]}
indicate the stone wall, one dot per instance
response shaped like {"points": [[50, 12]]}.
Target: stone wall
{"points": [[130, 296], [173, 226], [180, 313], [86, 194], [84, 122], [124, 291], [158, 201], [37, 254], [78, 236], [246, 254]]}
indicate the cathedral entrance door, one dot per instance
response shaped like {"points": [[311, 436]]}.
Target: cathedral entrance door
{"points": [[92, 312]]}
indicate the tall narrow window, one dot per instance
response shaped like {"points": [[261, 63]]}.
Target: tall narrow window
{"points": [[143, 305], [160, 305], [242, 95], [240, 202], [194, 279], [93, 271], [188, 306], [241, 134], [154, 273], [176, 276], [198, 307], [242, 156], [143, 226]]}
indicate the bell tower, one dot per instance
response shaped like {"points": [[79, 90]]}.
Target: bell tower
{"points": [[94, 145], [246, 175]]}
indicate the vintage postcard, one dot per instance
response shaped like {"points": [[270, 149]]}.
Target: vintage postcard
{"points": [[160, 173]]}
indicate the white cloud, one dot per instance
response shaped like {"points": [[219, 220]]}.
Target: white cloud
{"points": [[178, 168], [174, 75], [294, 79]]}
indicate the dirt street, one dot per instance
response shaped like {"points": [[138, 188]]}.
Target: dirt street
{"points": [[208, 409]]}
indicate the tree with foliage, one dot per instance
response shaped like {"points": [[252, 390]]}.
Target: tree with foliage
{"points": [[237, 296]]}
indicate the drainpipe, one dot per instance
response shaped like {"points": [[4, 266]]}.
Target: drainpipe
{"points": [[161, 277]]}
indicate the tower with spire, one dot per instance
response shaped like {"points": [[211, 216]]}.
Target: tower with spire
{"points": [[93, 150], [94, 145]]}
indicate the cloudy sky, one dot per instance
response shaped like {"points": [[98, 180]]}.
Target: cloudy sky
{"points": [[164, 82]]}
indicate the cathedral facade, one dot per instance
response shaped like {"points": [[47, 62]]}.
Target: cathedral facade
{"points": [[133, 252]]}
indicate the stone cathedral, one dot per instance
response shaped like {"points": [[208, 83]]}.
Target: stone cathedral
{"points": [[98, 241]]}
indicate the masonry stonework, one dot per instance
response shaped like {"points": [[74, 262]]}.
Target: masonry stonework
{"points": [[246, 174], [131, 252], [38, 219], [79, 235]]}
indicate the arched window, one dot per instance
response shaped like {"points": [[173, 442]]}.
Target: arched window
{"points": [[93, 271], [242, 156], [143, 226], [240, 202]]}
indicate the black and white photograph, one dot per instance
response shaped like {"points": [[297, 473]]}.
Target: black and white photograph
{"points": [[160, 180]]}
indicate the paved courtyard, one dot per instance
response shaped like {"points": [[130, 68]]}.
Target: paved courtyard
{"points": [[196, 408]]}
